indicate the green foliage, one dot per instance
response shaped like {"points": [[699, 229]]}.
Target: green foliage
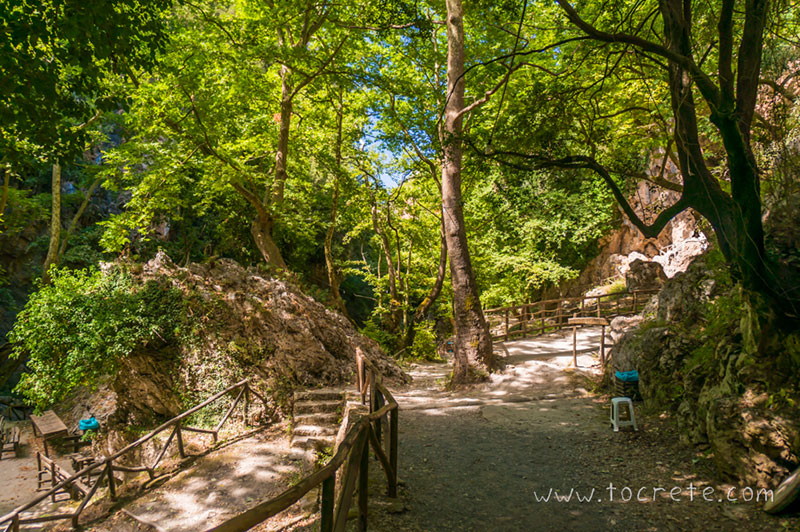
{"points": [[425, 346], [24, 210], [60, 60], [387, 340], [82, 325], [529, 231]]}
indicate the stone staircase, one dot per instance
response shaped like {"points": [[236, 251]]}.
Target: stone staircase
{"points": [[317, 416]]}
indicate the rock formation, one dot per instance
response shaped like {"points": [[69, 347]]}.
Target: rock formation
{"points": [[726, 397], [246, 324]]}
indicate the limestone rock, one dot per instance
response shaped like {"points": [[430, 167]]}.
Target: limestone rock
{"points": [[644, 275], [682, 297], [247, 324]]}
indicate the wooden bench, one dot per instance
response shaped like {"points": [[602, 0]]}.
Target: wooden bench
{"points": [[9, 438]]}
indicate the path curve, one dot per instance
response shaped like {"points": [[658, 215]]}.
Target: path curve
{"points": [[477, 460]]}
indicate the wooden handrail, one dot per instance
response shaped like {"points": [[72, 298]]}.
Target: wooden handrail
{"points": [[521, 320], [107, 462], [350, 454]]}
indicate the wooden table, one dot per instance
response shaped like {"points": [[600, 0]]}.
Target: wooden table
{"points": [[575, 322], [49, 426]]}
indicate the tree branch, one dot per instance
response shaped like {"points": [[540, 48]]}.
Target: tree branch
{"points": [[585, 162], [725, 62], [709, 90]]}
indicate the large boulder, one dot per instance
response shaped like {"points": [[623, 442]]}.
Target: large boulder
{"points": [[682, 298], [644, 275], [245, 324]]}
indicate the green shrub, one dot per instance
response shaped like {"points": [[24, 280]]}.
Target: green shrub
{"points": [[425, 345], [385, 339], [80, 327]]}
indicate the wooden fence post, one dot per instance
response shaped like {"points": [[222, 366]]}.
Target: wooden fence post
{"points": [[558, 316], [363, 487], [326, 509], [378, 405], [246, 404], [393, 426], [603, 347], [112, 488], [507, 310], [53, 481], [179, 437], [575, 344]]}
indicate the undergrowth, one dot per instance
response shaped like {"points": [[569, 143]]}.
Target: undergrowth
{"points": [[83, 324]]}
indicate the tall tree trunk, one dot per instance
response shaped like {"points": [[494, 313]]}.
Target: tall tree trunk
{"points": [[334, 278], [394, 301], [422, 310], [76, 218], [436, 289], [4, 194], [55, 224], [262, 235], [473, 345], [282, 151]]}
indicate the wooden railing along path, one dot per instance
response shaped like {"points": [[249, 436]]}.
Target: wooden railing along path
{"points": [[377, 430], [108, 465], [533, 319]]}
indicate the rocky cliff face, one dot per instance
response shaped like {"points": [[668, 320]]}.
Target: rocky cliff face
{"points": [[676, 246], [245, 324], [697, 356]]}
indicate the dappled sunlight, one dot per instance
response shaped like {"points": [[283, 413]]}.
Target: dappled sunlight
{"points": [[222, 484], [532, 432]]}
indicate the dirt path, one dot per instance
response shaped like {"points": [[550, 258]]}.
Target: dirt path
{"points": [[217, 486], [478, 460], [18, 479]]}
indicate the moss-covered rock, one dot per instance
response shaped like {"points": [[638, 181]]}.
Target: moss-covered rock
{"points": [[733, 385]]}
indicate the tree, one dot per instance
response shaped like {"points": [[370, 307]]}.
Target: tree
{"points": [[473, 343], [661, 69], [59, 60], [730, 94]]}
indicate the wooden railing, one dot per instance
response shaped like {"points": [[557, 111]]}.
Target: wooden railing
{"points": [[533, 319], [108, 465], [351, 461]]}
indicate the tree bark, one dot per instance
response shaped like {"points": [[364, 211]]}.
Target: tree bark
{"points": [[4, 195], [334, 279], [473, 345], [282, 151], [394, 301], [55, 224], [261, 229], [75, 219]]}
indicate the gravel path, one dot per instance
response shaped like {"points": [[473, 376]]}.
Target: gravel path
{"points": [[477, 460]]}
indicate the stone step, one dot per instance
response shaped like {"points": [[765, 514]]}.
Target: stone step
{"points": [[318, 418], [315, 430], [320, 394], [313, 443], [314, 407]]}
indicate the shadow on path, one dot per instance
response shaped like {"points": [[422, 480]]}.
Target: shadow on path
{"points": [[485, 459]]}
